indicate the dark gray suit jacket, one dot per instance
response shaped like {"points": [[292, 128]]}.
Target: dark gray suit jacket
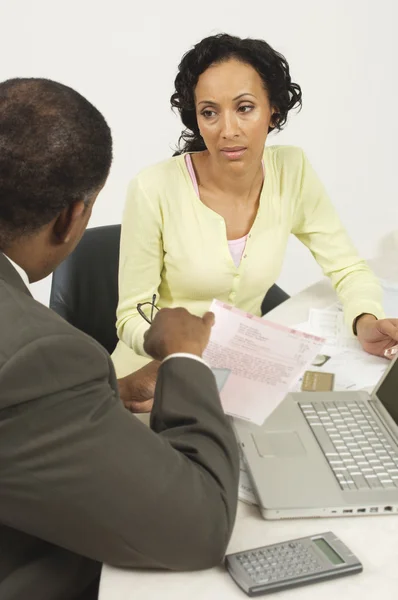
{"points": [[82, 481]]}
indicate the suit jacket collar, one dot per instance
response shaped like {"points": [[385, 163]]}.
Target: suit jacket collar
{"points": [[11, 276]]}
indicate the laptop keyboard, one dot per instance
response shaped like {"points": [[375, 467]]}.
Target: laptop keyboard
{"points": [[358, 451]]}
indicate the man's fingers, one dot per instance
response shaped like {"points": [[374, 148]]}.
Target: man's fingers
{"points": [[209, 319], [146, 337]]}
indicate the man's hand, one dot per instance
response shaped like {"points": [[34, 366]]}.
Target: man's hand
{"points": [[137, 389], [375, 335], [176, 330]]}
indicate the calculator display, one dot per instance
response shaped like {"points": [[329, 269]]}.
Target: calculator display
{"points": [[328, 551]]}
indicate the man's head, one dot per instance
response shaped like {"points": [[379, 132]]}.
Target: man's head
{"points": [[55, 156]]}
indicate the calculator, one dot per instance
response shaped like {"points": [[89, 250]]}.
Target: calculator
{"points": [[291, 564]]}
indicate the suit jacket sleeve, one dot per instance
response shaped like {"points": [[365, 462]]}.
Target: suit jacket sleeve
{"points": [[81, 472]]}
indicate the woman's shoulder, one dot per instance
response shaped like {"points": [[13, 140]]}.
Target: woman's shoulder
{"points": [[164, 173], [292, 156]]}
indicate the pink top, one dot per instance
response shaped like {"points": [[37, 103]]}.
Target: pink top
{"points": [[236, 247]]}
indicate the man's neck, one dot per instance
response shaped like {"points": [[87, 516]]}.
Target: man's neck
{"points": [[29, 253]]}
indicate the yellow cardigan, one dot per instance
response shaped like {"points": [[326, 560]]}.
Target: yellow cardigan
{"points": [[175, 246]]}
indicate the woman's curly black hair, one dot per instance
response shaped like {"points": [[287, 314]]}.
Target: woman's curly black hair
{"points": [[272, 67]]}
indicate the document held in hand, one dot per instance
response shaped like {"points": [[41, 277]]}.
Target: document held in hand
{"points": [[255, 361]]}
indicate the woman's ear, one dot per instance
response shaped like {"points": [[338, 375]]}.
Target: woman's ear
{"points": [[275, 116]]}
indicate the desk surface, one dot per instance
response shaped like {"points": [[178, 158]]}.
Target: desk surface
{"points": [[373, 539]]}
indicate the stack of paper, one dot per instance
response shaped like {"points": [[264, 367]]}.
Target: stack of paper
{"points": [[342, 354]]}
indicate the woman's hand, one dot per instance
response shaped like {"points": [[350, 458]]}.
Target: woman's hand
{"points": [[376, 336], [137, 389]]}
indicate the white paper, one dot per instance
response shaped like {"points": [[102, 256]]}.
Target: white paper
{"points": [[353, 368], [255, 361], [363, 369], [330, 325]]}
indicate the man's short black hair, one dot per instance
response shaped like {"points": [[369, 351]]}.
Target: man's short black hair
{"points": [[55, 149]]}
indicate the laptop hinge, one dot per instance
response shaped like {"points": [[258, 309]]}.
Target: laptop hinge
{"points": [[375, 406]]}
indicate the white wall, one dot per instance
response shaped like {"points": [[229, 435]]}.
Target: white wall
{"points": [[123, 56]]}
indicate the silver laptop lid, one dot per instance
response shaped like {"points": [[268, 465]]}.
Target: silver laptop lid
{"points": [[386, 391]]}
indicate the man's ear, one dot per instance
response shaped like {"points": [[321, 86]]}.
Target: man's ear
{"points": [[68, 220]]}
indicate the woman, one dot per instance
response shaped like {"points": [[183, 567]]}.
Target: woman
{"points": [[213, 221]]}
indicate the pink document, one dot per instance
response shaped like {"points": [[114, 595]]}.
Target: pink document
{"points": [[255, 361]]}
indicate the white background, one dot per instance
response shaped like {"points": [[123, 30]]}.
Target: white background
{"points": [[123, 55]]}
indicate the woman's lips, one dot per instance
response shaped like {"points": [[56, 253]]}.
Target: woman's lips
{"points": [[234, 152]]}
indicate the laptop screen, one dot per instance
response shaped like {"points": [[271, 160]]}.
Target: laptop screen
{"points": [[387, 392]]}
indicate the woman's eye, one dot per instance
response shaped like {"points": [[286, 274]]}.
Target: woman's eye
{"points": [[207, 113], [245, 108]]}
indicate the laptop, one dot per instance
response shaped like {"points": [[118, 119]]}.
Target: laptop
{"points": [[326, 454]]}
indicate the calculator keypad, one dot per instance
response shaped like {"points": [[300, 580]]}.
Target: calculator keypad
{"points": [[283, 561]]}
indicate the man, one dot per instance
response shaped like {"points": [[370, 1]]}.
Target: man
{"points": [[82, 481]]}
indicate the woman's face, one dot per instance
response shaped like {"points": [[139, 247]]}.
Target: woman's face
{"points": [[233, 112]]}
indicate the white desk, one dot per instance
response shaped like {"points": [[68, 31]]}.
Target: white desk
{"points": [[373, 539]]}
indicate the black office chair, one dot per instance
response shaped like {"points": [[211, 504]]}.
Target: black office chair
{"points": [[273, 298], [84, 288]]}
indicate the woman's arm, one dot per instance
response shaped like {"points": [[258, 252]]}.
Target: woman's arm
{"points": [[317, 225], [141, 262]]}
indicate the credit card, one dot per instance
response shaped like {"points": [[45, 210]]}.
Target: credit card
{"points": [[317, 381]]}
